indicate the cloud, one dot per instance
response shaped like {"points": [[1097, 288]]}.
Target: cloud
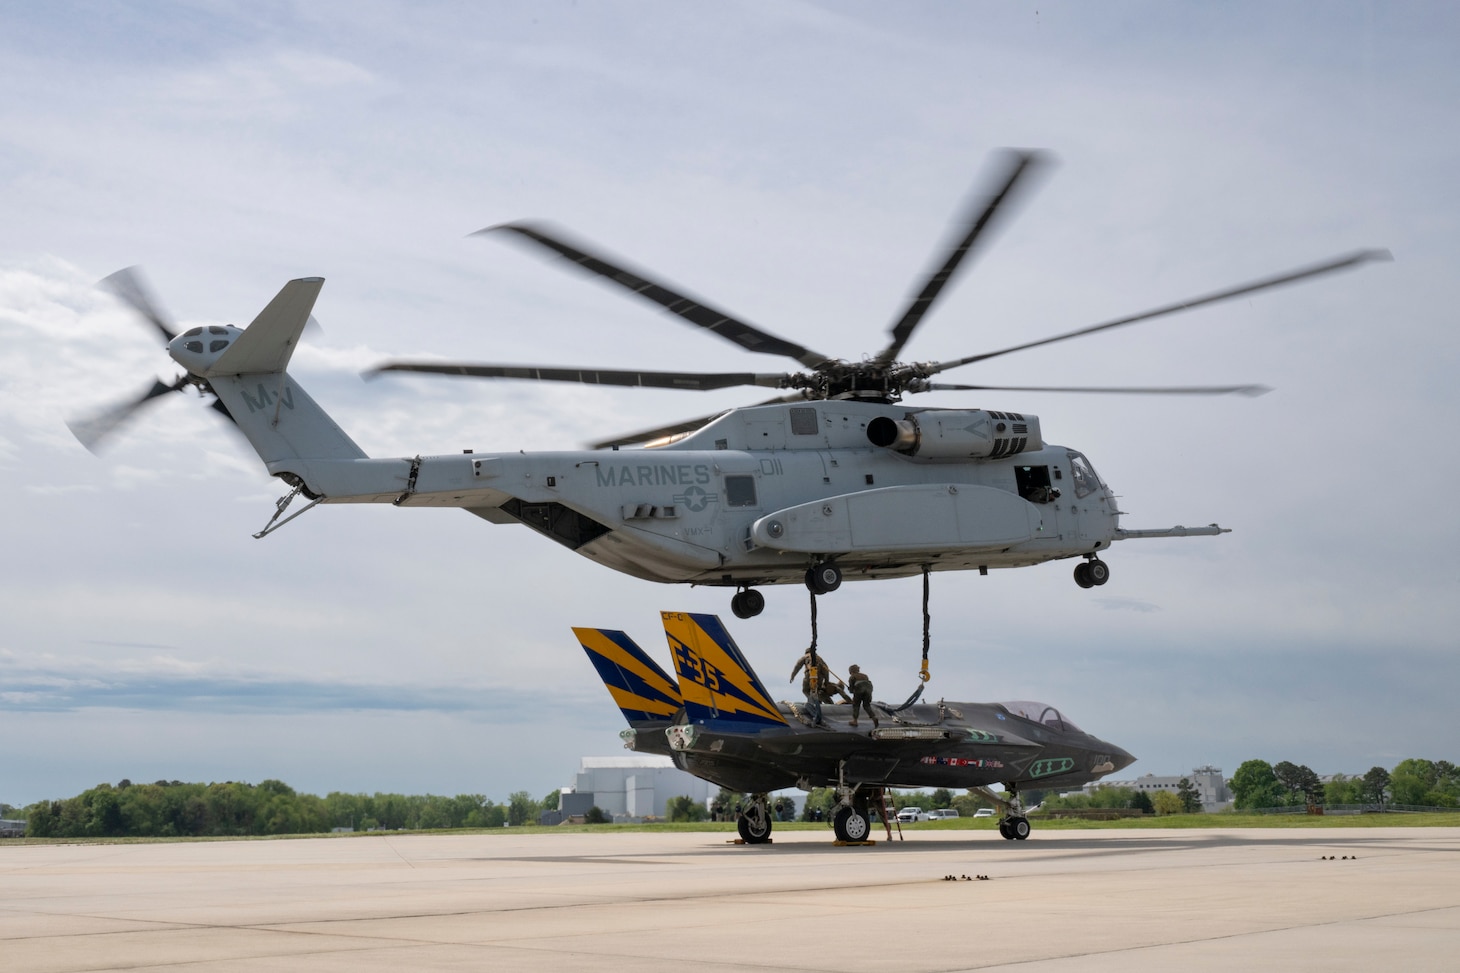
{"points": [[161, 683]]}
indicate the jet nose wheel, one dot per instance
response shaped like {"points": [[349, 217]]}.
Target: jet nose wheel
{"points": [[748, 603], [824, 578]]}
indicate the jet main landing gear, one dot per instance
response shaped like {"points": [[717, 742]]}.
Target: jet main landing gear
{"points": [[1014, 828], [754, 823], [850, 823]]}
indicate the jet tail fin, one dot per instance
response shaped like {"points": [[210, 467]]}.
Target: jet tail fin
{"points": [[715, 680], [644, 692]]}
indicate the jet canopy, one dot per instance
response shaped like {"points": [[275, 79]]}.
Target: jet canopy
{"points": [[1040, 713]]}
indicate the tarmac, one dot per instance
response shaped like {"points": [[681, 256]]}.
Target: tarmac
{"points": [[1189, 900]]}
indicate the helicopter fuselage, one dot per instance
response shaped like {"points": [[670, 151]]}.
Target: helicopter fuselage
{"points": [[761, 494], [818, 491]]}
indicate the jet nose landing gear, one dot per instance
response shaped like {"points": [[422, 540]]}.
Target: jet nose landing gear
{"points": [[748, 603], [1090, 573]]}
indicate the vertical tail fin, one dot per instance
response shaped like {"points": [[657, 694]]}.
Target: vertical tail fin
{"points": [[715, 679], [278, 417], [643, 691]]}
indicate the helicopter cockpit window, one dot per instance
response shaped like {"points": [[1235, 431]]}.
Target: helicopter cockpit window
{"points": [[1033, 483], [194, 346], [217, 344], [1040, 713], [192, 332], [1086, 482], [740, 491], [214, 329]]}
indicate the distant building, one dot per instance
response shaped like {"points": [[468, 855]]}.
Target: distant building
{"points": [[12, 829], [1210, 785], [629, 787]]}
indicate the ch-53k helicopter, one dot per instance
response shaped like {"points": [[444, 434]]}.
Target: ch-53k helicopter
{"points": [[717, 721], [834, 480]]}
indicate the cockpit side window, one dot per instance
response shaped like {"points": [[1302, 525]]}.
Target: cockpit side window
{"points": [[1083, 474]]}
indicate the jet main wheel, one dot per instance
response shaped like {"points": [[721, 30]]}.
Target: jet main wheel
{"points": [[748, 603], [1019, 828], [824, 578], [1082, 575], [850, 824], [1004, 830], [1097, 571], [754, 828]]}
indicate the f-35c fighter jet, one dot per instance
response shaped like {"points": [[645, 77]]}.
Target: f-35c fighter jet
{"points": [[717, 721]]}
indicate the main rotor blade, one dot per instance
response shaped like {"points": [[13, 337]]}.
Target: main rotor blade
{"points": [[1327, 267], [1017, 163], [693, 381], [1248, 390], [128, 285], [688, 425], [91, 432], [696, 312]]}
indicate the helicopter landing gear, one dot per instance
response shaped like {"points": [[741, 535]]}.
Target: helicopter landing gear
{"points": [[1090, 573], [748, 603], [754, 823], [823, 578]]}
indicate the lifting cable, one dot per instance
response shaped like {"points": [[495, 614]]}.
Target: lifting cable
{"points": [[813, 622], [925, 675]]}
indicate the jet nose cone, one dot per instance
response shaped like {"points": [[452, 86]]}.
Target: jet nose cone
{"points": [[1120, 758]]}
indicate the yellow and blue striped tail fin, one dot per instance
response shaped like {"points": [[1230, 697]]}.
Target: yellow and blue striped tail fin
{"points": [[715, 680], [644, 692]]}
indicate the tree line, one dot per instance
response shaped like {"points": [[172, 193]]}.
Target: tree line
{"points": [[1415, 782], [168, 809], [231, 809]]}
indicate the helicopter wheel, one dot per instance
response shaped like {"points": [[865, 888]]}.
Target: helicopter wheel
{"points": [[824, 578], [1097, 571], [1082, 575], [748, 603]]}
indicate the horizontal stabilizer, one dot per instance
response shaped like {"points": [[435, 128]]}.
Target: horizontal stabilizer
{"points": [[268, 343], [644, 692], [715, 679]]}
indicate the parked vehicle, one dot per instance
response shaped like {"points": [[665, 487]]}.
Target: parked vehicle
{"points": [[984, 812], [942, 813], [910, 814]]}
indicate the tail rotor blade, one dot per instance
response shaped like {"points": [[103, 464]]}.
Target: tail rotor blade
{"points": [[92, 431], [128, 285]]}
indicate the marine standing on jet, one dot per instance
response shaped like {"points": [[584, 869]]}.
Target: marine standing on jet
{"points": [[861, 686], [822, 689]]}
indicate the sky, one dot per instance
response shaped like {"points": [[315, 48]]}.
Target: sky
{"points": [[797, 163]]}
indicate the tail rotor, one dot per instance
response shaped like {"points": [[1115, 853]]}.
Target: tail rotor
{"points": [[129, 286]]}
